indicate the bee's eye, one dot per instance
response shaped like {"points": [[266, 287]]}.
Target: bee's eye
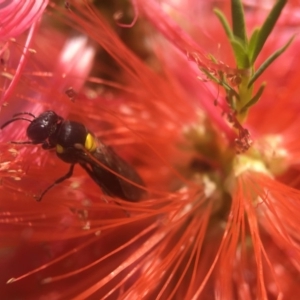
{"points": [[43, 127]]}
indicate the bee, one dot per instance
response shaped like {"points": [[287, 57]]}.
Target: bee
{"points": [[75, 144]]}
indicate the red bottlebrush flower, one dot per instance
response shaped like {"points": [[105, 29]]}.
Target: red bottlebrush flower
{"points": [[17, 16], [218, 218]]}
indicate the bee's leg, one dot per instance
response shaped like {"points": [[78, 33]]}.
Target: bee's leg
{"points": [[22, 142], [57, 181]]}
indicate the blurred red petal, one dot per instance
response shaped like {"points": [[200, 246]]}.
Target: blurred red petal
{"points": [[17, 16]]}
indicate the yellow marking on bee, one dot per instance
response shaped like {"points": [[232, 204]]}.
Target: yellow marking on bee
{"points": [[90, 143], [59, 149]]}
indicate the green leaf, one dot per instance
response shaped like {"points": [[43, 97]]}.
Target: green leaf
{"points": [[238, 21], [213, 59], [240, 53], [253, 41], [267, 28], [210, 76], [220, 82], [232, 98], [268, 61], [254, 99], [231, 91], [224, 23]]}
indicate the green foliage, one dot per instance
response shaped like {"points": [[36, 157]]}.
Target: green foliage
{"points": [[254, 99], [238, 21], [246, 50], [267, 28], [268, 61]]}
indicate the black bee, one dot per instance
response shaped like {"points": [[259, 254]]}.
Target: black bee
{"points": [[73, 141]]}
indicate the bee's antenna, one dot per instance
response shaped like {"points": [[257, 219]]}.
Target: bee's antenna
{"points": [[24, 113], [13, 120]]}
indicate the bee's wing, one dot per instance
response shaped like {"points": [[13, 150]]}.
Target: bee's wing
{"points": [[110, 183]]}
